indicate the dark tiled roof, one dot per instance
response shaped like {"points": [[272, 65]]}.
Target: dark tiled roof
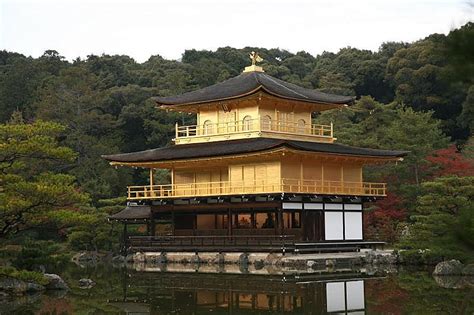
{"points": [[248, 83], [132, 213], [226, 148]]}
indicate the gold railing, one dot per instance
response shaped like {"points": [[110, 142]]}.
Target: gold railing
{"points": [[244, 126], [256, 187]]}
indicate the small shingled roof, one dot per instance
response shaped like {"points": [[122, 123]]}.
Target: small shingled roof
{"points": [[228, 148], [249, 83], [132, 213]]}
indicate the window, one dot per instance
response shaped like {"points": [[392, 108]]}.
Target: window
{"points": [[211, 221], [206, 221], [221, 221], [242, 221], [247, 123], [291, 220], [207, 127], [266, 122], [301, 126], [265, 220]]}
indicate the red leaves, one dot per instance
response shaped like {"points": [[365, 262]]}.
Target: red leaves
{"points": [[381, 223], [450, 161]]}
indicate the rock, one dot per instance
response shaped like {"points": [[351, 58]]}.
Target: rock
{"points": [[129, 258], [118, 259], [163, 258], [468, 281], [55, 282], [310, 263], [448, 282], [86, 283], [244, 259], [220, 259], [451, 267], [369, 257], [259, 264], [138, 257], [379, 258], [195, 259], [257, 258], [330, 262], [468, 270], [17, 287], [406, 231], [34, 287], [272, 258], [85, 257]]}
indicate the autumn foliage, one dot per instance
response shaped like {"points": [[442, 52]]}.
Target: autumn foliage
{"points": [[382, 223], [450, 161]]}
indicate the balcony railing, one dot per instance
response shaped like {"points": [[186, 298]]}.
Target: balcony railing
{"points": [[251, 125], [256, 187]]}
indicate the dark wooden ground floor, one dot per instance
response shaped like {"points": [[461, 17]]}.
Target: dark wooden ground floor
{"points": [[247, 226]]}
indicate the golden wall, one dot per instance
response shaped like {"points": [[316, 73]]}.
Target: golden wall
{"points": [[293, 166], [268, 171], [309, 168], [255, 109]]}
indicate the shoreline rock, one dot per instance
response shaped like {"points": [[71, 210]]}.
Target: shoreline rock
{"points": [[451, 267], [55, 282], [86, 283], [14, 286]]}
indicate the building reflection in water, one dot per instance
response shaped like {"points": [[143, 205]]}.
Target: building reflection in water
{"points": [[163, 293]]}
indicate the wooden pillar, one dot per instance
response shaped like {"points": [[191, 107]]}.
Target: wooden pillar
{"points": [[125, 237], [322, 176], [172, 177], [229, 222], [153, 226], [301, 174], [173, 218], [275, 224], [280, 220], [342, 179], [151, 177]]}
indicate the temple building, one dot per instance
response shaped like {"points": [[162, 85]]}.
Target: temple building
{"points": [[253, 174]]}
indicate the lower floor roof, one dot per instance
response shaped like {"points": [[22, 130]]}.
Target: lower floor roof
{"points": [[139, 212], [244, 146]]}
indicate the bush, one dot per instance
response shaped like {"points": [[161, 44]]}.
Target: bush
{"points": [[40, 253], [102, 236], [428, 256], [24, 275]]}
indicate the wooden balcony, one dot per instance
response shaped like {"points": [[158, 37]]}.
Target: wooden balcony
{"points": [[253, 128], [226, 188]]}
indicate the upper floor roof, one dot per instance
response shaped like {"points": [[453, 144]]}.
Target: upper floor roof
{"points": [[249, 83]]}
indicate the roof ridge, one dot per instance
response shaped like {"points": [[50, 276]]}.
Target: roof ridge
{"points": [[269, 77]]}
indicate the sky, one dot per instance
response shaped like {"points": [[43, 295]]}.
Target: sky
{"points": [[143, 28]]}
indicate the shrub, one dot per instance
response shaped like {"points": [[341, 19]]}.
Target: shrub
{"points": [[428, 256], [40, 253], [24, 275]]}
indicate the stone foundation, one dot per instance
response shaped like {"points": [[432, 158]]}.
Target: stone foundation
{"points": [[259, 260]]}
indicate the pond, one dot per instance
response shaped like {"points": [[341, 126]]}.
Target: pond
{"points": [[185, 289]]}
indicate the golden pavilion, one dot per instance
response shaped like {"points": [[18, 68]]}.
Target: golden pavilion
{"points": [[253, 174]]}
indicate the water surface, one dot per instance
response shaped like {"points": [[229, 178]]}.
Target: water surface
{"points": [[182, 290]]}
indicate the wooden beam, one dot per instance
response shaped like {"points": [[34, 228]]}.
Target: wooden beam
{"points": [[151, 177]]}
